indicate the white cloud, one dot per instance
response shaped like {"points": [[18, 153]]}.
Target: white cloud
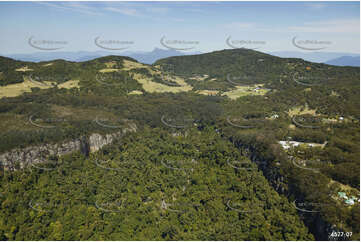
{"points": [[72, 6], [125, 11], [332, 26], [240, 25], [337, 26], [316, 6], [158, 10]]}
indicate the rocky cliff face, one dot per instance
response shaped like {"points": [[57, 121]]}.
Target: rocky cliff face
{"points": [[315, 223], [97, 141], [20, 158]]}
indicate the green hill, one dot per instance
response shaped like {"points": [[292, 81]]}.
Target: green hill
{"points": [[297, 121]]}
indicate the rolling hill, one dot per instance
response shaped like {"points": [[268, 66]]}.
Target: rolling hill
{"points": [[345, 61], [282, 133]]}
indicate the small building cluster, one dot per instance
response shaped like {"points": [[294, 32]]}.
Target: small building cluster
{"points": [[347, 200], [291, 144]]}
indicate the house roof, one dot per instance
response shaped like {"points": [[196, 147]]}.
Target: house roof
{"points": [[341, 194]]}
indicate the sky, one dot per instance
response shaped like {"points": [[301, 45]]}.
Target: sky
{"points": [[28, 27]]}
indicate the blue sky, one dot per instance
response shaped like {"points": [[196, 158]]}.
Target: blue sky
{"points": [[268, 26]]}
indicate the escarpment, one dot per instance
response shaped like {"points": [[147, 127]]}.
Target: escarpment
{"points": [[16, 159]]}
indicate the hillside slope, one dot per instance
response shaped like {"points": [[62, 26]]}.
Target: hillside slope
{"points": [[297, 120]]}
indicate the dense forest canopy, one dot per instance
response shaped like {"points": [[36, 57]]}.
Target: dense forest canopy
{"points": [[218, 134]]}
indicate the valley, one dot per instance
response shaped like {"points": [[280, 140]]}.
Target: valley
{"points": [[228, 145]]}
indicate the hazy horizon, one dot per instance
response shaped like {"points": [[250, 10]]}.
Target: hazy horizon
{"points": [[185, 26]]}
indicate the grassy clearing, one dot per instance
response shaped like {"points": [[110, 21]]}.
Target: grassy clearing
{"points": [[62, 110], [301, 111], [9, 122], [79, 114], [69, 84], [334, 94], [110, 64], [24, 69], [14, 90], [208, 92], [129, 65], [292, 126], [135, 92], [108, 70], [180, 81], [49, 64], [240, 91], [150, 86], [154, 87], [200, 78]]}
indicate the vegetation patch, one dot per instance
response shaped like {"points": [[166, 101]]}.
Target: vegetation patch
{"points": [[135, 92], [301, 111], [69, 84], [208, 92], [153, 87], [240, 91], [108, 70], [129, 65], [110, 64], [14, 90], [24, 69]]}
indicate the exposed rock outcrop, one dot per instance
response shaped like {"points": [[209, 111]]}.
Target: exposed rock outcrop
{"points": [[20, 158]]}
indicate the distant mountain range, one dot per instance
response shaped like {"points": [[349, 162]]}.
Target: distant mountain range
{"points": [[318, 57], [149, 57], [345, 61], [141, 56]]}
